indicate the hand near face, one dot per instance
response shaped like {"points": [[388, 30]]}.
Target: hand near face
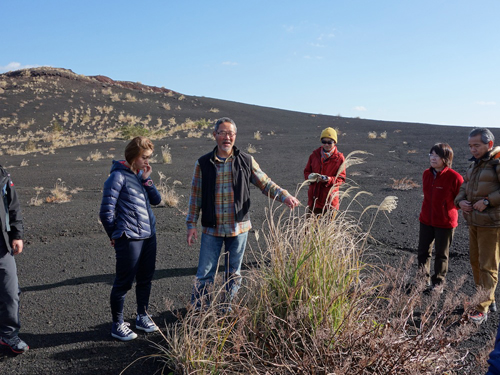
{"points": [[146, 171]]}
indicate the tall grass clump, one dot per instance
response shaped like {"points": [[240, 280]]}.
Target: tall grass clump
{"points": [[315, 304]]}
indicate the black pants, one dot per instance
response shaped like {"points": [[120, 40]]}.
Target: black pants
{"points": [[135, 259], [441, 238]]}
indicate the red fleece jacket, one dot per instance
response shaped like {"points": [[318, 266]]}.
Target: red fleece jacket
{"points": [[438, 208]]}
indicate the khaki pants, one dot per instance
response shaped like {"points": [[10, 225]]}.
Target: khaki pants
{"points": [[484, 252]]}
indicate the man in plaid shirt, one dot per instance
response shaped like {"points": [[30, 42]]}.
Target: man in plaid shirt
{"points": [[221, 191]]}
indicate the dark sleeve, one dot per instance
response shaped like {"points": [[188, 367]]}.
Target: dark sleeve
{"points": [[153, 195], [110, 194], [15, 216]]}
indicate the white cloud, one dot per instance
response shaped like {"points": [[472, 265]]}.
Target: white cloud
{"points": [[317, 45], [360, 108], [288, 28], [326, 36], [232, 63], [15, 66], [486, 103]]}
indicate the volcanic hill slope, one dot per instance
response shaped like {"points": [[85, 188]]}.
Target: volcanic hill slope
{"points": [[61, 128]]}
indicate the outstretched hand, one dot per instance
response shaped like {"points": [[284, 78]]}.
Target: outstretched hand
{"points": [[291, 201]]}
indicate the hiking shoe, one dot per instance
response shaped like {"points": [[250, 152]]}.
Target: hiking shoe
{"points": [[493, 307], [144, 323], [121, 332], [15, 344], [478, 317]]}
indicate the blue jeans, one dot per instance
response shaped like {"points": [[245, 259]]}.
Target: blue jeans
{"points": [[135, 259], [210, 250]]}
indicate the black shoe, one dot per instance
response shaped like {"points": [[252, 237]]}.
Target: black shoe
{"points": [[493, 307]]}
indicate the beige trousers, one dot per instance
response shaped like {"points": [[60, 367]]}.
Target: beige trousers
{"points": [[484, 252]]}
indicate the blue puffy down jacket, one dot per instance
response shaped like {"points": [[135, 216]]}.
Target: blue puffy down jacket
{"points": [[125, 206]]}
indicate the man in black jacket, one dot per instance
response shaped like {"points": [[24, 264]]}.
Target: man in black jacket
{"points": [[11, 244]]}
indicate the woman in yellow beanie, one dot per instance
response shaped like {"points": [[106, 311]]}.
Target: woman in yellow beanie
{"points": [[323, 169]]}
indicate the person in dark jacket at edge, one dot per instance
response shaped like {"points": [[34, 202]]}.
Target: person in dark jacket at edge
{"points": [[10, 245], [220, 189], [130, 224], [439, 215], [323, 170]]}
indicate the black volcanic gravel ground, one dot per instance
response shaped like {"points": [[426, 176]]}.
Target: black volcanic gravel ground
{"points": [[67, 267]]}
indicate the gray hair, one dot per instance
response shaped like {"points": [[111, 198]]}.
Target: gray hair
{"points": [[486, 135], [223, 120]]}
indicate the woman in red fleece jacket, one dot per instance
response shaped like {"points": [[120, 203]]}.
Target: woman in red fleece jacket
{"points": [[439, 215], [323, 166]]}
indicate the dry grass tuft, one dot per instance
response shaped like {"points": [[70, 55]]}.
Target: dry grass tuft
{"points": [[251, 149], [312, 305], [372, 135], [213, 110], [412, 151], [383, 135], [59, 193], [35, 201], [168, 195], [95, 156], [166, 154], [166, 106], [404, 184], [24, 163], [257, 135]]}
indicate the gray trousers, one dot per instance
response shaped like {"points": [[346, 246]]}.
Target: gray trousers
{"points": [[9, 295]]}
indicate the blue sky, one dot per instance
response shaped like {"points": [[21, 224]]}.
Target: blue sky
{"points": [[430, 61]]}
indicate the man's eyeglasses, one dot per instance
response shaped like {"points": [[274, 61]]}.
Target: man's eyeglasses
{"points": [[327, 142], [223, 134]]}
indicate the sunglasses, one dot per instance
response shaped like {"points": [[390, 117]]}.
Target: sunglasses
{"points": [[328, 142]]}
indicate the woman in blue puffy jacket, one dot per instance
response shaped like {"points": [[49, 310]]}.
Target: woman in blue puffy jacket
{"points": [[130, 224]]}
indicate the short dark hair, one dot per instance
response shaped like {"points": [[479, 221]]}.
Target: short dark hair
{"points": [[486, 135], [136, 147], [223, 120], [445, 152]]}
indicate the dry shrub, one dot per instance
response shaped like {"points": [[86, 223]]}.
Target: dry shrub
{"points": [[182, 97], [130, 98], [404, 183], [412, 151], [257, 135], [35, 201], [313, 306], [194, 134], [24, 163], [383, 135], [213, 110], [251, 149], [168, 195], [372, 135], [166, 106], [59, 193], [94, 156]]}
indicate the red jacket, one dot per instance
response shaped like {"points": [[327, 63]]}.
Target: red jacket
{"points": [[319, 191], [438, 208]]}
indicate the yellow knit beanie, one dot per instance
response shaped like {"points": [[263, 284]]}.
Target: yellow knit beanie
{"points": [[329, 133]]}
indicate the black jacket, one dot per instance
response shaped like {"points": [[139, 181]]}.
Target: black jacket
{"points": [[242, 174], [10, 210]]}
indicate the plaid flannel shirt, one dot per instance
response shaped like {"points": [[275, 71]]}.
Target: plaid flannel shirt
{"points": [[226, 226]]}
